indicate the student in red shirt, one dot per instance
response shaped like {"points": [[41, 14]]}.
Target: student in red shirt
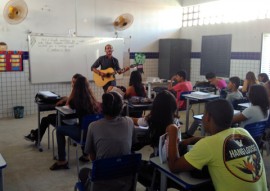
{"points": [[182, 85]]}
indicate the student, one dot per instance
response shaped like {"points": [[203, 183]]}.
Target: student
{"points": [[263, 78], [136, 88], [84, 102], [161, 115], [50, 119], [231, 155], [249, 81], [105, 62], [109, 137], [234, 93], [182, 85], [258, 111], [217, 82]]}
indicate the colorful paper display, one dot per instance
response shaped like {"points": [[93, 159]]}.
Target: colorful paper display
{"points": [[11, 61]]}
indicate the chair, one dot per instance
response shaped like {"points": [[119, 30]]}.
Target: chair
{"points": [[238, 101], [113, 168], [256, 130], [84, 127]]}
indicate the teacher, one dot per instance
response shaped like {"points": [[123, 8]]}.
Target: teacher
{"points": [[105, 62]]}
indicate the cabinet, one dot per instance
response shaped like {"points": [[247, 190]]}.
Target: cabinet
{"points": [[174, 55]]}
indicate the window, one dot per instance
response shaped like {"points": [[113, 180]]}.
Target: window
{"points": [[225, 11], [265, 57]]}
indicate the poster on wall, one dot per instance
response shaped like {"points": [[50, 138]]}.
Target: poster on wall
{"points": [[11, 61]]}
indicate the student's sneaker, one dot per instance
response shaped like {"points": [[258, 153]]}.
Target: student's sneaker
{"points": [[30, 137]]}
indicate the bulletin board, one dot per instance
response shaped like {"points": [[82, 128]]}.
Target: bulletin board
{"points": [[57, 58], [11, 61]]}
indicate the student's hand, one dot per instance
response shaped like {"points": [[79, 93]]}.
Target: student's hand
{"points": [[61, 102]]}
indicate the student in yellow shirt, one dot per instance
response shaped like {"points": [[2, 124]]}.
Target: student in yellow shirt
{"points": [[231, 154]]}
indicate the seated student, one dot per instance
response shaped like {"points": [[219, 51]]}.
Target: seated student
{"points": [[136, 88], [231, 155], [248, 82], [263, 78], [258, 111], [182, 85], [219, 83], [84, 102], [161, 115], [109, 137], [50, 119], [234, 93]]}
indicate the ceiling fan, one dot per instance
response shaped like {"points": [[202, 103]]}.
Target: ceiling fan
{"points": [[123, 22], [15, 11]]}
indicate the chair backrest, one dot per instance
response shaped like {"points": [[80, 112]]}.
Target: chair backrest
{"points": [[256, 130], [86, 120], [111, 168], [238, 101]]}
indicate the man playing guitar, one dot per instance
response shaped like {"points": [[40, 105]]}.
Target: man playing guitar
{"points": [[105, 62]]}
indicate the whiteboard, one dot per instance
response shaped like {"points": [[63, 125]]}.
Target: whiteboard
{"points": [[56, 58]]}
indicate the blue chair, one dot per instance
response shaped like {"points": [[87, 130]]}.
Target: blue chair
{"points": [[84, 127], [113, 168], [256, 130]]}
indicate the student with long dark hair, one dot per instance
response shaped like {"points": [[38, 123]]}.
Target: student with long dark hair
{"points": [[249, 81], [258, 110], [161, 115], [51, 118], [84, 102], [136, 88], [109, 137]]}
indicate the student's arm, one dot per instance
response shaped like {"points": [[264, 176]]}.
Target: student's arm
{"points": [[135, 121], [128, 92], [238, 118], [62, 101], [245, 86], [170, 85], [176, 164]]}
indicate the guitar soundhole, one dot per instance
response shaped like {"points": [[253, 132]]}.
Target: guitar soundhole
{"points": [[108, 75]]}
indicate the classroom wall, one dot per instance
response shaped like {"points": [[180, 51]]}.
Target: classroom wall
{"points": [[246, 45], [152, 20]]}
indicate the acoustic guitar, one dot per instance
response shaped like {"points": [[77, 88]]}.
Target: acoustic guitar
{"points": [[103, 80]]}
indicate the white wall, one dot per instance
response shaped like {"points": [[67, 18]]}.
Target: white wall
{"points": [[246, 37], [153, 19]]}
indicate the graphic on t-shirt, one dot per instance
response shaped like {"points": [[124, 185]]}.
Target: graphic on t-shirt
{"points": [[242, 158]]}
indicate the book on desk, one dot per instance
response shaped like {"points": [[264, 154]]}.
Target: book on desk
{"points": [[199, 94]]}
